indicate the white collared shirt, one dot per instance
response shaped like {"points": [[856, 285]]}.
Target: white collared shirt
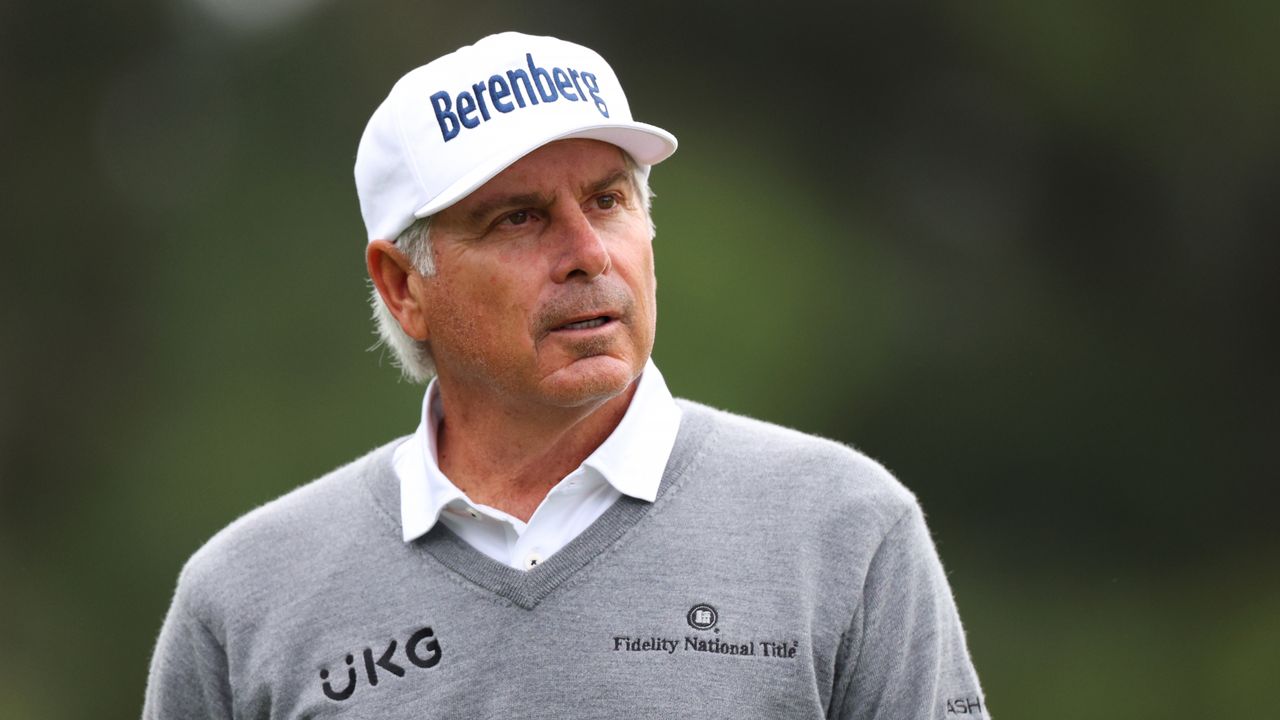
{"points": [[629, 462]]}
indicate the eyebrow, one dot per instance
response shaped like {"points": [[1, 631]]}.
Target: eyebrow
{"points": [[607, 183], [485, 210]]}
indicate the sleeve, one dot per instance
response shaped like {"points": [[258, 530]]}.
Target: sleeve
{"points": [[188, 676], [907, 656]]}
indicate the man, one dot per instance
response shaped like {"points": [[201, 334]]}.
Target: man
{"points": [[559, 538]]}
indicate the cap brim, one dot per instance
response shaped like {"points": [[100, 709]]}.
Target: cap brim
{"points": [[646, 144]]}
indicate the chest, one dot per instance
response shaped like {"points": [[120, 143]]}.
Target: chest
{"points": [[634, 640]]}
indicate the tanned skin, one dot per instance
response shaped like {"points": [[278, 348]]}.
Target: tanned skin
{"points": [[559, 238]]}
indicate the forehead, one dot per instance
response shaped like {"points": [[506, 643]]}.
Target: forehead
{"points": [[576, 163]]}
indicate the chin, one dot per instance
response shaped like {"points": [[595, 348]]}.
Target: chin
{"points": [[590, 380]]}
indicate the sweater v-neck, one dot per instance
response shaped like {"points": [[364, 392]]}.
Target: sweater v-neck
{"points": [[527, 588]]}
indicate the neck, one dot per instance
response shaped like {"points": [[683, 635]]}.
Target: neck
{"points": [[509, 459]]}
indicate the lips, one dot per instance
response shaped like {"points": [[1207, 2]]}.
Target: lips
{"points": [[595, 307], [586, 323]]}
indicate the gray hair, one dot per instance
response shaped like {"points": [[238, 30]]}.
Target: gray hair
{"points": [[413, 357]]}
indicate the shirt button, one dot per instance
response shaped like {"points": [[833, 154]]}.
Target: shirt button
{"points": [[532, 559]]}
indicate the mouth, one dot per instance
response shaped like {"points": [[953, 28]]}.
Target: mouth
{"points": [[587, 323]]}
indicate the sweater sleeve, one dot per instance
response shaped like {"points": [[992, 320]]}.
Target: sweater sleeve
{"points": [[907, 654], [188, 676]]}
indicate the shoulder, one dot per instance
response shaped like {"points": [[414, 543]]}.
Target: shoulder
{"points": [[272, 546], [783, 465]]}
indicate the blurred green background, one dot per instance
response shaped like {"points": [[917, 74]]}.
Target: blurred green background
{"points": [[1025, 254]]}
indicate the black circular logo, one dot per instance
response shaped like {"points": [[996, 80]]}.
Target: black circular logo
{"points": [[702, 617]]}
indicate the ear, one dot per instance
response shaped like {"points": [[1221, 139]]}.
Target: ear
{"points": [[399, 284]]}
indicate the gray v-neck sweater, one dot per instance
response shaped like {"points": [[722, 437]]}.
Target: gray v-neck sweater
{"points": [[776, 575]]}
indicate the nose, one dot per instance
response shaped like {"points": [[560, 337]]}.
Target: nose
{"points": [[583, 254]]}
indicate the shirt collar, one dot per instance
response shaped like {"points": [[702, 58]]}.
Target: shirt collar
{"points": [[632, 459]]}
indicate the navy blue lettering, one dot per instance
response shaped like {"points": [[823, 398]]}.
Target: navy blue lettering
{"points": [[563, 82], [590, 80], [574, 73], [497, 90], [469, 108], [548, 94], [448, 121], [466, 106], [479, 88], [528, 88]]}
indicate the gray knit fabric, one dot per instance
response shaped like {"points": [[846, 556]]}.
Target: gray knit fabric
{"points": [[777, 575]]}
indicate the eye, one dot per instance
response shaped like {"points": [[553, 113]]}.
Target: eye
{"points": [[607, 202], [518, 217]]}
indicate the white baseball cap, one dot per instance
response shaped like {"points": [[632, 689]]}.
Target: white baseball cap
{"points": [[449, 126]]}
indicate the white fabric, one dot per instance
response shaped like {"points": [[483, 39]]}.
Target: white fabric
{"points": [[449, 126], [629, 462]]}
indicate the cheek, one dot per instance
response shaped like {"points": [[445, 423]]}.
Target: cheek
{"points": [[644, 285], [480, 309], [649, 279]]}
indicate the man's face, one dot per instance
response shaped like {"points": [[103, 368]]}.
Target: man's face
{"points": [[544, 291]]}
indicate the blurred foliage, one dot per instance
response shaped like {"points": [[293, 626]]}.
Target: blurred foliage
{"points": [[1024, 254]]}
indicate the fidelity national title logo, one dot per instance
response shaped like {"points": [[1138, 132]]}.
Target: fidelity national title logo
{"points": [[705, 621]]}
